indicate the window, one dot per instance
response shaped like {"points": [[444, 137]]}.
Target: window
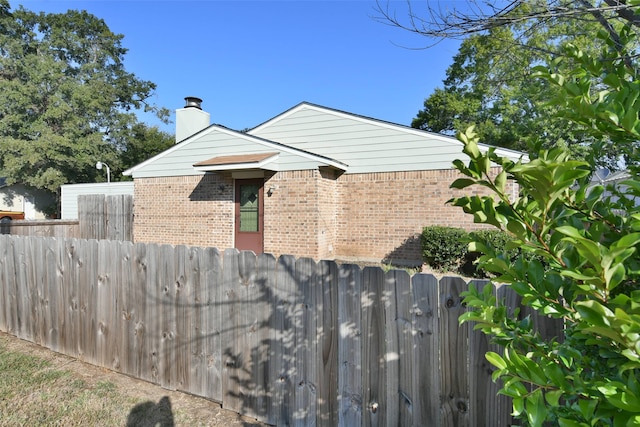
{"points": [[249, 207]]}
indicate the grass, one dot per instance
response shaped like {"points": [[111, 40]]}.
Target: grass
{"points": [[38, 388], [33, 392]]}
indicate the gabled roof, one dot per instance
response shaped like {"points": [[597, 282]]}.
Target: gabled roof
{"points": [[308, 136], [505, 152], [366, 144], [217, 141]]}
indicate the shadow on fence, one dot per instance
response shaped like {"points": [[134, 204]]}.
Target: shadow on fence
{"points": [[287, 341]]}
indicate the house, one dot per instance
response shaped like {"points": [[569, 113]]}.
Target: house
{"points": [[312, 182], [35, 203], [615, 180]]}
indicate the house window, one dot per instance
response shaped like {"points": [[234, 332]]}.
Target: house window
{"points": [[249, 207]]}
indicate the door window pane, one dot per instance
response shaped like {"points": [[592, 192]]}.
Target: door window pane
{"points": [[249, 207]]}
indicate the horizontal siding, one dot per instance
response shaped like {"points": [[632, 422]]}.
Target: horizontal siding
{"points": [[364, 146], [180, 162]]}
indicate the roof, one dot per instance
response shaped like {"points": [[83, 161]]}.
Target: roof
{"points": [[365, 144], [216, 141], [241, 161], [308, 136], [242, 158]]}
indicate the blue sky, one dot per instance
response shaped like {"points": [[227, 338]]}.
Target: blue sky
{"points": [[251, 60]]}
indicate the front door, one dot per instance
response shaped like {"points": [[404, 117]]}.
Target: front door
{"points": [[249, 215]]}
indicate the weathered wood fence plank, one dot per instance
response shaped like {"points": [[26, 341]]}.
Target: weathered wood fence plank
{"points": [[327, 346], [261, 335], [453, 354], [374, 368], [426, 352], [139, 357], [306, 341], [166, 286], [213, 329], [403, 393], [282, 374], [350, 398]]}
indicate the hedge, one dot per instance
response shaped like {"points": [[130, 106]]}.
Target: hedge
{"points": [[445, 249]]}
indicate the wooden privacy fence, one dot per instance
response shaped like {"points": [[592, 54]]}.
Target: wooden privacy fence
{"points": [[106, 216], [99, 217], [289, 342], [42, 228]]}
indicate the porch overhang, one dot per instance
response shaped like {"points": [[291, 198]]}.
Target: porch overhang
{"points": [[239, 162]]}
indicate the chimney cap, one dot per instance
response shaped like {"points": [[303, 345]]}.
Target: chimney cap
{"points": [[193, 102]]}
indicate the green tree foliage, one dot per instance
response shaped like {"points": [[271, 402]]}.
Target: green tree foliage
{"points": [[490, 85], [144, 142], [600, 91], [67, 100], [490, 82], [584, 267]]}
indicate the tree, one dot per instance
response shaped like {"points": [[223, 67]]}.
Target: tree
{"points": [[67, 99], [475, 16], [490, 85], [144, 143], [580, 242], [601, 93]]}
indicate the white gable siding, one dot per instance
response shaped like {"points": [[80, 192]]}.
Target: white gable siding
{"points": [[180, 161], [309, 136], [364, 144]]}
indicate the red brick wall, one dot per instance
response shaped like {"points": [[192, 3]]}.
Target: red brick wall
{"points": [[190, 210], [310, 213], [299, 216], [383, 214]]}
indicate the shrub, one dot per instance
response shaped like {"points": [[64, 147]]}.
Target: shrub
{"points": [[444, 248], [495, 239], [589, 278]]}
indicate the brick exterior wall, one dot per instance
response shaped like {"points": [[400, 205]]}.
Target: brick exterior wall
{"points": [[383, 214], [300, 215], [310, 213], [189, 210]]}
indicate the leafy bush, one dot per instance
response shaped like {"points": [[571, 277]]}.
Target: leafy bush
{"points": [[589, 278], [494, 238], [444, 248]]}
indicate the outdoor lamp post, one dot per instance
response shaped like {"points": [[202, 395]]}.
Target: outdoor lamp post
{"points": [[99, 167]]}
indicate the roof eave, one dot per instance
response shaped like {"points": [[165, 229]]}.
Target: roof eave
{"points": [[263, 165]]}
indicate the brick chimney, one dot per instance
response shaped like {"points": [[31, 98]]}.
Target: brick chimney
{"points": [[191, 119]]}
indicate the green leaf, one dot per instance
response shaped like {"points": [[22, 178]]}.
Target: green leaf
{"points": [[496, 360], [536, 410], [501, 181], [553, 397], [594, 312], [461, 183], [566, 422], [614, 275]]}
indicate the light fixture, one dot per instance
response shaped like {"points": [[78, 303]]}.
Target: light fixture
{"points": [[99, 167], [271, 190]]}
